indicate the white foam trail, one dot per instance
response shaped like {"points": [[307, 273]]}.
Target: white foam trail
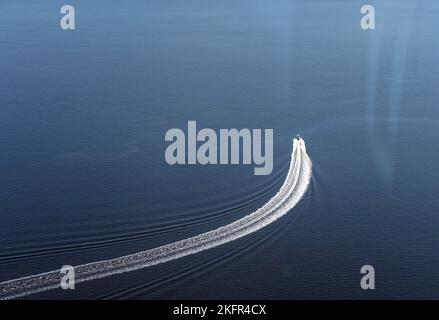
{"points": [[292, 190]]}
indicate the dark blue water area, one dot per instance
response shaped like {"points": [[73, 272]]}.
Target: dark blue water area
{"points": [[83, 115]]}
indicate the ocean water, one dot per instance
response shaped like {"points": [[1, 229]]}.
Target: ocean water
{"points": [[83, 116]]}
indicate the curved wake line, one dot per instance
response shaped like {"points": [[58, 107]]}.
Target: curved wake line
{"points": [[292, 190]]}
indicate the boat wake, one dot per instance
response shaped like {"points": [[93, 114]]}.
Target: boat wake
{"points": [[292, 190]]}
